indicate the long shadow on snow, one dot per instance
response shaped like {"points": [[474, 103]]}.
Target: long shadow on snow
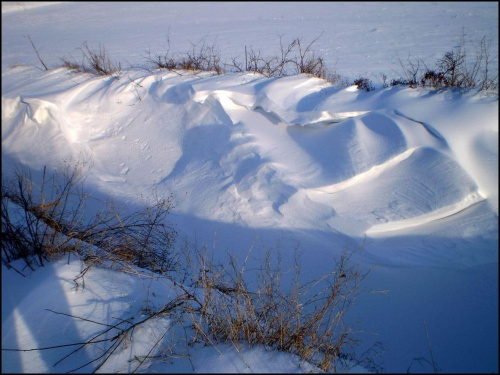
{"points": [[314, 100], [47, 329], [318, 250], [457, 304]]}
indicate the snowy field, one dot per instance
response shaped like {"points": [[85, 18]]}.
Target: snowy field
{"points": [[256, 162]]}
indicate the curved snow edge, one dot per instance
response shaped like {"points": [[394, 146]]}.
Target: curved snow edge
{"points": [[438, 214]]}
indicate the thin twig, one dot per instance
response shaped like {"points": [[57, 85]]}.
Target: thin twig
{"points": [[87, 320], [37, 54], [434, 365]]}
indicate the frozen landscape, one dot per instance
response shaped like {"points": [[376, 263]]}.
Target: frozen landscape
{"points": [[256, 162]]}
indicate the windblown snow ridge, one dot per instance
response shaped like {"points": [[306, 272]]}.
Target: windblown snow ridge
{"points": [[260, 152]]}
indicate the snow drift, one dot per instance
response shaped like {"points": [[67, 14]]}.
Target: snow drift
{"points": [[289, 162]]}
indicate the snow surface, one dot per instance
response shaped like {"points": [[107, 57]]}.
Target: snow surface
{"points": [[282, 162]]}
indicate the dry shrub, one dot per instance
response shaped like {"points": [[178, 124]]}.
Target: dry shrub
{"points": [[231, 302], [306, 319], [94, 60], [201, 57], [307, 61], [285, 63], [458, 68], [98, 60], [48, 217], [72, 65], [364, 84]]}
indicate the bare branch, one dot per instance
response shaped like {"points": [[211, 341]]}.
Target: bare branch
{"points": [[37, 54]]}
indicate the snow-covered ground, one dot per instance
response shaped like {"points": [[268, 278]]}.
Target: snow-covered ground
{"points": [[288, 161]]}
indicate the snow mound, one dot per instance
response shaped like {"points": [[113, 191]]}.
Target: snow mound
{"points": [[247, 149]]}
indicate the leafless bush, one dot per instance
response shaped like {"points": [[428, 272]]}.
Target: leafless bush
{"points": [[33, 215], [255, 62], [333, 77], [271, 308], [284, 64], [400, 82], [383, 78], [455, 69], [258, 64], [266, 66], [451, 67], [364, 84], [163, 60], [410, 71], [98, 61], [306, 319], [432, 79], [95, 61], [293, 58], [201, 57], [48, 218], [487, 81], [284, 58], [307, 61], [72, 65]]}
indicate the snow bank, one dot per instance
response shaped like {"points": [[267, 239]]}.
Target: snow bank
{"points": [[282, 163], [240, 154]]}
